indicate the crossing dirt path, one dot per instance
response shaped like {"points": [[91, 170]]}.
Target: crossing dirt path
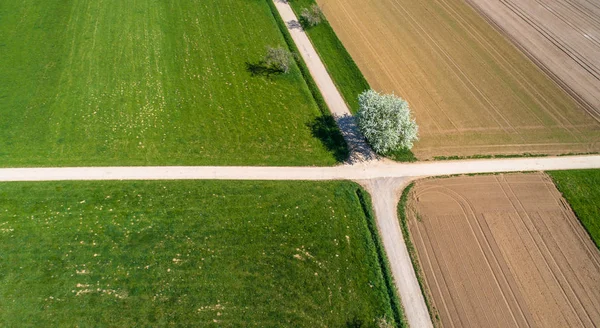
{"points": [[384, 180]]}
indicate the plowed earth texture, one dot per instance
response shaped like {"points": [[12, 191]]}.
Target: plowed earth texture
{"points": [[503, 251], [562, 36], [473, 92]]}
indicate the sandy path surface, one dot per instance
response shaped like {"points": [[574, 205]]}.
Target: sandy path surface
{"points": [[385, 195], [504, 251], [362, 171], [359, 149]]}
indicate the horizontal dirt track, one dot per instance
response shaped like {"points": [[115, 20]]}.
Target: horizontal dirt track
{"points": [[562, 36], [504, 250], [472, 90]]}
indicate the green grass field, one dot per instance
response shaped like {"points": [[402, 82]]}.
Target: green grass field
{"points": [[201, 253], [581, 188], [149, 83]]}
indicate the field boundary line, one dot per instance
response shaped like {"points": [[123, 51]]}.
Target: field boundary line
{"points": [[581, 233]]}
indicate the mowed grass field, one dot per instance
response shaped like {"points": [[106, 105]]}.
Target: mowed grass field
{"points": [[148, 83], [200, 253], [472, 91], [581, 188]]}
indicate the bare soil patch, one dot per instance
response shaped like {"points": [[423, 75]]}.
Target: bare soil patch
{"points": [[563, 37], [472, 90], [502, 251]]}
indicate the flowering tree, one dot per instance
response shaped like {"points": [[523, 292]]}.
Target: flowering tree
{"points": [[311, 16], [278, 59], [386, 122]]}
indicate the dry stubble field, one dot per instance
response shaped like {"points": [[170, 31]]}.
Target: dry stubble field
{"points": [[502, 251], [562, 36], [473, 92]]}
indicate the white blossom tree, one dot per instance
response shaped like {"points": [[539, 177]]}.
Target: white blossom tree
{"points": [[311, 16], [278, 59], [386, 122]]}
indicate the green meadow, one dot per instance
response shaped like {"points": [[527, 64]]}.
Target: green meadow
{"points": [[124, 82], [190, 253], [581, 188]]}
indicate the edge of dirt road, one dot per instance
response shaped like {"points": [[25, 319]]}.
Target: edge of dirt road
{"points": [[413, 254], [384, 264]]}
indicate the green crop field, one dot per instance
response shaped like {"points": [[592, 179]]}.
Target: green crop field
{"points": [[581, 188], [116, 82], [222, 253]]}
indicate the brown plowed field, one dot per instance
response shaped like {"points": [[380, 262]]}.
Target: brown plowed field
{"points": [[562, 36], [502, 251], [472, 91]]}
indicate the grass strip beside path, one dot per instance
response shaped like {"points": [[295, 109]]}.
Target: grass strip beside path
{"points": [[413, 252], [325, 127], [581, 188], [344, 72]]}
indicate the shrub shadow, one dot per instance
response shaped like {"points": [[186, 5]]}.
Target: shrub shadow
{"points": [[294, 24], [261, 69], [355, 323], [325, 129]]}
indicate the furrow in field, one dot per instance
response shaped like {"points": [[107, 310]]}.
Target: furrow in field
{"points": [[482, 97], [504, 246]]}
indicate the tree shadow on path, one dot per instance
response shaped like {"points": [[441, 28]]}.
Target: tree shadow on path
{"points": [[325, 129], [361, 151]]}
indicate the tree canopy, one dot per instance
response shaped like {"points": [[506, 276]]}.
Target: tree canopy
{"points": [[386, 121]]}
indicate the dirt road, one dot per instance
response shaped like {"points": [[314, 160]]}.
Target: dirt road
{"points": [[383, 180], [361, 171]]}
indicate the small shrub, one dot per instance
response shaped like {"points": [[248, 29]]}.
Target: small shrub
{"points": [[383, 323], [278, 59], [311, 16]]}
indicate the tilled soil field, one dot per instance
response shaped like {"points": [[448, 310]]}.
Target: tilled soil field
{"points": [[562, 36], [472, 90], [502, 251]]}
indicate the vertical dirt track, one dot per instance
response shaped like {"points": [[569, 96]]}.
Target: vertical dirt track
{"points": [[502, 251], [472, 91]]}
